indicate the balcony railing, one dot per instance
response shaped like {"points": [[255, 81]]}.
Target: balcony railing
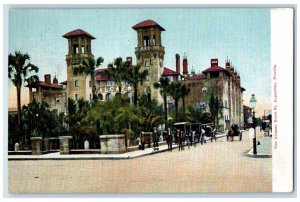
{"points": [[149, 48]]}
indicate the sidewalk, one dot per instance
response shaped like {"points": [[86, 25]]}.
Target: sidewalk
{"points": [[127, 155], [264, 150]]}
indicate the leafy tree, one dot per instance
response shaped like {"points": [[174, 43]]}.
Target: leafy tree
{"points": [[194, 114], [14, 132], [19, 69], [215, 108], [37, 120], [150, 111], [135, 77], [78, 127], [164, 85]]}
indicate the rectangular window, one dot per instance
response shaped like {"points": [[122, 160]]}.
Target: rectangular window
{"points": [[90, 96], [90, 83], [76, 96], [76, 83]]}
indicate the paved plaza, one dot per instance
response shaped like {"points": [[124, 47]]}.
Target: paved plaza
{"points": [[219, 166]]}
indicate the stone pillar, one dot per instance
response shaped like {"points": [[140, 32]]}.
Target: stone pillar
{"points": [[36, 145], [65, 144], [112, 143], [17, 147]]}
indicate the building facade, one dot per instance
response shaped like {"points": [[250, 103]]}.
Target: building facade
{"points": [[79, 49], [223, 83], [50, 92], [150, 54]]}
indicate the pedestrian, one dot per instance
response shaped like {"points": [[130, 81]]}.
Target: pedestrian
{"points": [[142, 141], [182, 139], [139, 143], [202, 136]]}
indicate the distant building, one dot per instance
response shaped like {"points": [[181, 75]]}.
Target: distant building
{"points": [[50, 92], [223, 83]]}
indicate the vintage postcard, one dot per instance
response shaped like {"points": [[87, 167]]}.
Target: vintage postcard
{"points": [[149, 100]]}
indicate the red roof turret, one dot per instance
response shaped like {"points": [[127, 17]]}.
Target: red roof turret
{"points": [[78, 32], [147, 24]]}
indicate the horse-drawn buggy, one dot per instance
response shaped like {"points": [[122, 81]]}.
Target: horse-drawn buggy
{"points": [[234, 131], [194, 132], [182, 134], [208, 132]]}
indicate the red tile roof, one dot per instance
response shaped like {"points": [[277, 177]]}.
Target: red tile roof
{"points": [[199, 77], [214, 69], [64, 82], [78, 32], [169, 72], [98, 76], [146, 24], [43, 84]]}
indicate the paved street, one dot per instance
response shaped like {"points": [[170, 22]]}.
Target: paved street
{"points": [[214, 167]]}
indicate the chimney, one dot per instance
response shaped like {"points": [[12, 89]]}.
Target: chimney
{"points": [[177, 63], [214, 62], [185, 65], [47, 78], [129, 61], [55, 81], [227, 63]]}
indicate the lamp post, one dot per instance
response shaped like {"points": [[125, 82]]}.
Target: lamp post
{"points": [[253, 104]]}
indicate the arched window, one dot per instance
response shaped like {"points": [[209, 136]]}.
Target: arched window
{"points": [[108, 96], [100, 96]]}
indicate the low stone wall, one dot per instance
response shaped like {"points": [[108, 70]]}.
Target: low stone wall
{"points": [[51, 144], [85, 151], [112, 144]]}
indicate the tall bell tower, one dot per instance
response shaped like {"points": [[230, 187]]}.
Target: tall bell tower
{"points": [[150, 54], [79, 49]]}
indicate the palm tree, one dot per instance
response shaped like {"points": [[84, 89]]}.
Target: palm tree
{"points": [[135, 77], [19, 68], [175, 92], [185, 91], [88, 66], [116, 71], [163, 85]]}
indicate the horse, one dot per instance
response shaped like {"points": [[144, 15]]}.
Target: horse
{"points": [[233, 131], [213, 134], [169, 140], [180, 140]]}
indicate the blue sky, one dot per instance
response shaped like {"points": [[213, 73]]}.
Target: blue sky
{"points": [[241, 34]]}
